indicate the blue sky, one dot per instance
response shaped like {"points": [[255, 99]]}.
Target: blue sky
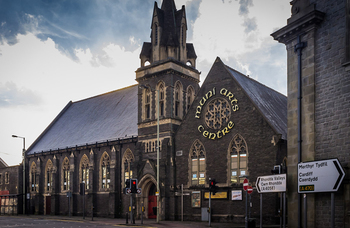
{"points": [[52, 52]]}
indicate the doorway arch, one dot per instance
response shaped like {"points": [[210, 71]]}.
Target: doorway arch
{"points": [[148, 185]]}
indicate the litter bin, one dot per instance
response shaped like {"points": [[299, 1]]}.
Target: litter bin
{"points": [[251, 223]]}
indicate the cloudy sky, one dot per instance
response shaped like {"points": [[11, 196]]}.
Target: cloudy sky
{"points": [[53, 52]]}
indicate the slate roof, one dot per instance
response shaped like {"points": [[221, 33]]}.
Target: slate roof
{"points": [[104, 117], [271, 104]]}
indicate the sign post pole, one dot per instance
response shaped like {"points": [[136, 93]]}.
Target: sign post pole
{"points": [[261, 208], [209, 208], [245, 187], [332, 210]]}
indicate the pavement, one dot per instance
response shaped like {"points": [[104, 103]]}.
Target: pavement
{"points": [[146, 222]]}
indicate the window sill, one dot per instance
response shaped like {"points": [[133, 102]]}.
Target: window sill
{"points": [[346, 65]]}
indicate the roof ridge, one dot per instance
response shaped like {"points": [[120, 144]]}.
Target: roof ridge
{"points": [[102, 94], [255, 80]]}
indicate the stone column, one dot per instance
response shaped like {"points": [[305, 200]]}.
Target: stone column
{"points": [[89, 200], [54, 188], [112, 185], [73, 179]]}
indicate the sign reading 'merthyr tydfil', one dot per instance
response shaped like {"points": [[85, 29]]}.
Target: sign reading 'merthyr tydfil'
{"points": [[272, 183], [320, 176]]}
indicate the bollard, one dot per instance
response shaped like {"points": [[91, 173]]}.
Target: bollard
{"points": [[126, 217]]}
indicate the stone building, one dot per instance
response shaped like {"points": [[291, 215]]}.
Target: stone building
{"points": [[317, 38], [104, 140], [11, 188]]}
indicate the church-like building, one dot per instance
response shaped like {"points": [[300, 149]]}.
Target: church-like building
{"points": [[229, 128]]}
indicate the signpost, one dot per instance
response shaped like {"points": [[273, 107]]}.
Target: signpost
{"points": [[320, 176], [273, 183], [245, 188]]}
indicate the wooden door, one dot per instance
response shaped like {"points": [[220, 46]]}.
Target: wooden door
{"points": [[48, 205], [152, 207]]}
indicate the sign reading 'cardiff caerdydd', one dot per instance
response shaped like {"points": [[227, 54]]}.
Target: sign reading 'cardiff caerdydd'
{"points": [[320, 176]]}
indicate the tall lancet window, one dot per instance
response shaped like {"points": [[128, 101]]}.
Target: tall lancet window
{"points": [[190, 97], [239, 159], [84, 171], [161, 99], [198, 166], [48, 176], [178, 100], [105, 171], [147, 103], [65, 174], [33, 177], [127, 161]]}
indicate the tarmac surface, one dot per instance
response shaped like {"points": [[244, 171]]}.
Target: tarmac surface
{"points": [[116, 222]]}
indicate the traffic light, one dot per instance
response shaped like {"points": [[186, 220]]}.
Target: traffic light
{"points": [[276, 169], [82, 189], [133, 186], [212, 186], [127, 183]]}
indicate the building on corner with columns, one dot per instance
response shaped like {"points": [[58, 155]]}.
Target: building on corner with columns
{"points": [[231, 126], [317, 38]]}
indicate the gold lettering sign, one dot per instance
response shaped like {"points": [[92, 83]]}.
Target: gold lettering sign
{"points": [[217, 113], [218, 195]]}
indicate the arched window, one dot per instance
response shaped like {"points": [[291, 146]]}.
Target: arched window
{"points": [[7, 178], [190, 97], [84, 171], [178, 100], [48, 175], [105, 171], [32, 180], [161, 89], [147, 103], [126, 163], [238, 152], [65, 175], [198, 166]]}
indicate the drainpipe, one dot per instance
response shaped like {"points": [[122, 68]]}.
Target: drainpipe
{"points": [[298, 48]]}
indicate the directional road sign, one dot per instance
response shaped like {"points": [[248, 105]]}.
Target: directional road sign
{"points": [[320, 176], [272, 183]]}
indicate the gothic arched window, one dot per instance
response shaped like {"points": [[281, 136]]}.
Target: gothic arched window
{"points": [[84, 171], [238, 152], [198, 166], [161, 89], [48, 175], [105, 171], [178, 100], [65, 175], [126, 163], [190, 97], [32, 180], [147, 103]]}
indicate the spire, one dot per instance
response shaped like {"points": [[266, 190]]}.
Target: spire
{"points": [[168, 5]]}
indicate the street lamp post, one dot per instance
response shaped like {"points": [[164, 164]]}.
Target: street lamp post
{"points": [[158, 190], [24, 170]]}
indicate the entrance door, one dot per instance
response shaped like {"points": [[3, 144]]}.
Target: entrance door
{"points": [[152, 207], [48, 205], [152, 203]]}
